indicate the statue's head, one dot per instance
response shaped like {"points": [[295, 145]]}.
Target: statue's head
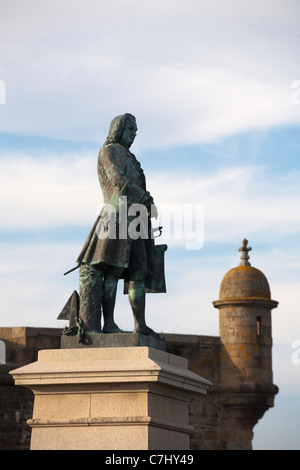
{"points": [[122, 130]]}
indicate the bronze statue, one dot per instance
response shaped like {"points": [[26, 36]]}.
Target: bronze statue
{"points": [[112, 251]]}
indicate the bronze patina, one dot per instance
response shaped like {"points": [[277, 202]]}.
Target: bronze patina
{"points": [[120, 244]]}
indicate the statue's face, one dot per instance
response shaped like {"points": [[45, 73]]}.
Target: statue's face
{"points": [[129, 133]]}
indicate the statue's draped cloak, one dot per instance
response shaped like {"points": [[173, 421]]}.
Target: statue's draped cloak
{"points": [[120, 175]]}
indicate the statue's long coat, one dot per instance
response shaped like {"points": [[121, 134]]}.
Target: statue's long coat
{"points": [[120, 174]]}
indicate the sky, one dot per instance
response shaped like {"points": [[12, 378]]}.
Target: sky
{"points": [[215, 88]]}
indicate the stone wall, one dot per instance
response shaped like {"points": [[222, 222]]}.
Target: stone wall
{"points": [[203, 355], [23, 343], [16, 403]]}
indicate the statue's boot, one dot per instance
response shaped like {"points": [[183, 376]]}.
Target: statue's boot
{"points": [[90, 292], [137, 300]]}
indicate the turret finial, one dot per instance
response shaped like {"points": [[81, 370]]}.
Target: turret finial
{"points": [[245, 250]]}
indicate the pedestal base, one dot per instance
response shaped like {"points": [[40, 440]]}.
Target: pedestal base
{"points": [[105, 340], [110, 398]]}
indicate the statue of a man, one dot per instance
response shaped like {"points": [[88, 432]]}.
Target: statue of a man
{"points": [[108, 254]]}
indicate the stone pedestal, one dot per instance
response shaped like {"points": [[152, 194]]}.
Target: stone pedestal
{"points": [[130, 398]]}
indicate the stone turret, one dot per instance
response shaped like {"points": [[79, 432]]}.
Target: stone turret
{"points": [[246, 377]]}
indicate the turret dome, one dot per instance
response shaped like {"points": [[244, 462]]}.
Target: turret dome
{"points": [[244, 283]]}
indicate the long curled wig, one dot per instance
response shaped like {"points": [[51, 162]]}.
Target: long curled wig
{"points": [[117, 127]]}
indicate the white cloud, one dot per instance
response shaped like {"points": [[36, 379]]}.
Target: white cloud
{"points": [[62, 190], [237, 200], [47, 192], [33, 286], [190, 72]]}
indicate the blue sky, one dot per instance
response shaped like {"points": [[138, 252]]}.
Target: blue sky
{"points": [[214, 87]]}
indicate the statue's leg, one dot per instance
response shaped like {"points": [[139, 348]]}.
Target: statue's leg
{"points": [[90, 291], [137, 300], [137, 290], [110, 285]]}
